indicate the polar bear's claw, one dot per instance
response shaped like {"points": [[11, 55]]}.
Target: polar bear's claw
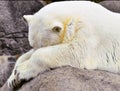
{"points": [[14, 80]]}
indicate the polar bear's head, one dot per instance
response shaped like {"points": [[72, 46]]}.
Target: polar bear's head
{"points": [[49, 30], [51, 26]]}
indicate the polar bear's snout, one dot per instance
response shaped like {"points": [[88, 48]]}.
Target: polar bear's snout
{"points": [[42, 33]]}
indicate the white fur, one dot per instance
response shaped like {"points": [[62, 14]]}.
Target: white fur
{"points": [[89, 38]]}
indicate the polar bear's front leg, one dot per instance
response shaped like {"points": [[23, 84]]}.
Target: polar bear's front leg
{"points": [[41, 60], [25, 71], [24, 57], [20, 60]]}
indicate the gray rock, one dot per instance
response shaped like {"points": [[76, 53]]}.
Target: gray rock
{"points": [[13, 28], [6, 66], [71, 79], [113, 5]]}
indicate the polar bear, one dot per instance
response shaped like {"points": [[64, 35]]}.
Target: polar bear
{"points": [[81, 34]]}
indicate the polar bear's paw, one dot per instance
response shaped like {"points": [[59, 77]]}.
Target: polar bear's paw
{"points": [[13, 80], [24, 71]]}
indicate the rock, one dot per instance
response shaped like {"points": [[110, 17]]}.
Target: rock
{"points": [[13, 28], [113, 5], [72, 79], [6, 66]]}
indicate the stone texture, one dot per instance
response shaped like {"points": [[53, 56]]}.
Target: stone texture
{"points": [[6, 66], [71, 79], [13, 28], [113, 5]]}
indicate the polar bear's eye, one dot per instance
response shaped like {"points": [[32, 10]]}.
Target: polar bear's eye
{"points": [[56, 29]]}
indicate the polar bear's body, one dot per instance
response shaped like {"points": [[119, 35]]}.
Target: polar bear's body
{"points": [[82, 34]]}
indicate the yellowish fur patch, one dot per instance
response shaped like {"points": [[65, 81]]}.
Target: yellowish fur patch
{"points": [[65, 23]]}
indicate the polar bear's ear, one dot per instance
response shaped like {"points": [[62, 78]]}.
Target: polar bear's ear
{"points": [[28, 18]]}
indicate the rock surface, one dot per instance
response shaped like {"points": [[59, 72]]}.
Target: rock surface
{"points": [[72, 79], [113, 5], [13, 28], [6, 66]]}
